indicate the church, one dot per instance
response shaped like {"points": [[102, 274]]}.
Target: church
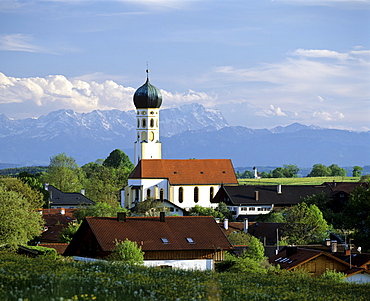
{"points": [[184, 183]]}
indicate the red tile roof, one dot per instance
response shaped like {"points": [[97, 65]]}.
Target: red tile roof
{"points": [[59, 247], [148, 232], [187, 172]]}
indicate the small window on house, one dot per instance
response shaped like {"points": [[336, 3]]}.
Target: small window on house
{"points": [[252, 209], [172, 209], [196, 194], [161, 194], [181, 195], [190, 240], [165, 240], [223, 171]]}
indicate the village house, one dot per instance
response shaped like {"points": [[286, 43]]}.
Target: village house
{"points": [[191, 242], [251, 200], [316, 263], [66, 200]]}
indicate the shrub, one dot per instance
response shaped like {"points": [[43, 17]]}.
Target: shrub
{"points": [[333, 275]]}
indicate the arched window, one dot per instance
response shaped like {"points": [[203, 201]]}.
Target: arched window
{"points": [[151, 136], [138, 122], [143, 121], [211, 191], [138, 136], [181, 195], [151, 122], [161, 194], [196, 194], [143, 136], [148, 192]]}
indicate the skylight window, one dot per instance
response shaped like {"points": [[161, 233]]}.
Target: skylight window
{"points": [[190, 240], [165, 240]]}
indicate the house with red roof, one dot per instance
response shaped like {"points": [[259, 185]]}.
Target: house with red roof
{"points": [[193, 242]]}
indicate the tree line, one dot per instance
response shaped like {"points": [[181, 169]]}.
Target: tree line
{"points": [[291, 171]]}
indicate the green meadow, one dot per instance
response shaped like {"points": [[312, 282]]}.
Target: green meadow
{"points": [[42, 279], [296, 181]]}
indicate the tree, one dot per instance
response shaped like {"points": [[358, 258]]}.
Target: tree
{"points": [[67, 233], [202, 211], [64, 173], [256, 250], [358, 216], [149, 207], [304, 224], [128, 252], [357, 171], [278, 173], [222, 208], [272, 217], [20, 220], [319, 170], [118, 159], [265, 174], [100, 209], [337, 171], [290, 170]]}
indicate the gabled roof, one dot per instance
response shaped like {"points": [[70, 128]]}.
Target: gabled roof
{"points": [[151, 234], [357, 259], [346, 187], [59, 198], [267, 194], [187, 172], [291, 257]]}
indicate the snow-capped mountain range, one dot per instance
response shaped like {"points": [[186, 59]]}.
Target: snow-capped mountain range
{"points": [[190, 131]]}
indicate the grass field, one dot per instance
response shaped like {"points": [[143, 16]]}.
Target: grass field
{"points": [[296, 181]]}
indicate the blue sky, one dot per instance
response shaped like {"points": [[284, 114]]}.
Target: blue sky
{"points": [[262, 63]]}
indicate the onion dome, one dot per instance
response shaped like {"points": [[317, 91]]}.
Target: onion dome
{"points": [[147, 96]]}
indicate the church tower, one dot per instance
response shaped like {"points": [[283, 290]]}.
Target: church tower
{"points": [[147, 100]]}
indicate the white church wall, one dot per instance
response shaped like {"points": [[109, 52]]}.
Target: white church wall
{"points": [[188, 202]]}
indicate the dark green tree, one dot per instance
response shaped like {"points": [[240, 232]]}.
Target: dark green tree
{"points": [[290, 170], [336, 171], [278, 173], [203, 211], [358, 216], [357, 171], [118, 159], [67, 233], [319, 170]]}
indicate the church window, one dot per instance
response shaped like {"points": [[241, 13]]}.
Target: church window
{"points": [[138, 136], [151, 122], [151, 136], [211, 191], [138, 122], [151, 112], [181, 195], [143, 122], [161, 194], [143, 112], [143, 136], [148, 193], [196, 194], [157, 122]]}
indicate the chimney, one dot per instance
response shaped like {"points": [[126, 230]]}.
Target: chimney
{"points": [[256, 195], [327, 242], [347, 252], [246, 225], [279, 189], [83, 191], [121, 216], [333, 246], [226, 224], [62, 211], [162, 216], [291, 250], [46, 186]]}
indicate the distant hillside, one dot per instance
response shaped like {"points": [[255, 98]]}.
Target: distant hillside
{"points": [[190, 131]]}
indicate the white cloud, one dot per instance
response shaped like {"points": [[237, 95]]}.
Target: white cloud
{"points": [[271, 112], [57, 92], [314, 53], [327, 116]]}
